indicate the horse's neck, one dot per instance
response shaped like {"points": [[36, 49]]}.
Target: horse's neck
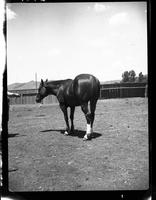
{"points": [[53, 87]]}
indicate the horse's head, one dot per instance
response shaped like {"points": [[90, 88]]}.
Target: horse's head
{"points": [[42, 91]]}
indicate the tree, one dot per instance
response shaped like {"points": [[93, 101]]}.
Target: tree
{"points": [[132, 76], [129, 76], [125, 76], [141, 77]]}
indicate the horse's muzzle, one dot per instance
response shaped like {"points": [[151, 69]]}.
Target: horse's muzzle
{"points": [[38, 100]]}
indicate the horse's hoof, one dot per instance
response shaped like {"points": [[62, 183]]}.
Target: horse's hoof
{"points": [[87, 137], [66, 133]]}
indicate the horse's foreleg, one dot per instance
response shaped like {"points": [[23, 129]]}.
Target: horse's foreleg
{"points": [[72, 109], [84, 108], [64, 110]]}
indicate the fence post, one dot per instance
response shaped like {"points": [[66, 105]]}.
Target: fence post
{"points": [[120, 91], [21, 98], [146, 90]]}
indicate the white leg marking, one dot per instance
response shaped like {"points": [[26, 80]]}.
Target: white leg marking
{"points": [[88, 132], [88, 129], [66, 133]]}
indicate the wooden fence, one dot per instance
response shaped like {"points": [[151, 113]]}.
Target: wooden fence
{"points": [[118, 90], [122, 92]]}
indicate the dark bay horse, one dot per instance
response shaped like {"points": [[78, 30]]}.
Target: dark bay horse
{"points": [[70, 93]]}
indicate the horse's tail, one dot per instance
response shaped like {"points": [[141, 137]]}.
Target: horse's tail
{"points": [[97, 87]]}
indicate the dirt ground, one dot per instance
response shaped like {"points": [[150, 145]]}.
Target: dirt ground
{"points": [[41, 158]]}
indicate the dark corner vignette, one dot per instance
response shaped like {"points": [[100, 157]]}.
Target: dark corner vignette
{"points": [[4, 135], [5, 118]]}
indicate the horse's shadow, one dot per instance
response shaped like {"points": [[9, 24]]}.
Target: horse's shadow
{"points": [[11, 135], [76, 133]]}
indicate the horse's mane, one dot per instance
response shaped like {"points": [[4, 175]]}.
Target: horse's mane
{"points": [[58, 82]]}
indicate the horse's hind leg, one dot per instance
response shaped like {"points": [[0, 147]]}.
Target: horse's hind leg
{"points": [[84, 108], [72, 109], [92, 110]]}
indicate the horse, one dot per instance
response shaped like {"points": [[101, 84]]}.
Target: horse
{"points": [[71, 93]]}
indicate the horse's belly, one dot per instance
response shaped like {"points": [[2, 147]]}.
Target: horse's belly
{"points": [[72, 101]]}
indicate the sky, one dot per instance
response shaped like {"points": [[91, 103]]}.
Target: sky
{"points": [[61, 40]]}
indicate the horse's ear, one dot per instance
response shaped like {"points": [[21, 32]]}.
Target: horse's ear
{"points": [[45, 83], [42, 82]]}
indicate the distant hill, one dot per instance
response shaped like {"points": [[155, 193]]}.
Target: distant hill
{"points": [[110, 82], [23, 86], [32, 85]]}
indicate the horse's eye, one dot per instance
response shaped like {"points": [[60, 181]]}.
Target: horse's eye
{"points": [[42, 90]]}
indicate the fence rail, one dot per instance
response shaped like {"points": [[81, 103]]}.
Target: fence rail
{"points": [[106, 91], [122, 92]]}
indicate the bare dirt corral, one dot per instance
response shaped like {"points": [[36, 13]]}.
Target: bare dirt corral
{"points": [[41, 158]]}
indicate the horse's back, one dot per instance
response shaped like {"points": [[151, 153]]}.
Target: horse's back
{"points": [[86, 87]]}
